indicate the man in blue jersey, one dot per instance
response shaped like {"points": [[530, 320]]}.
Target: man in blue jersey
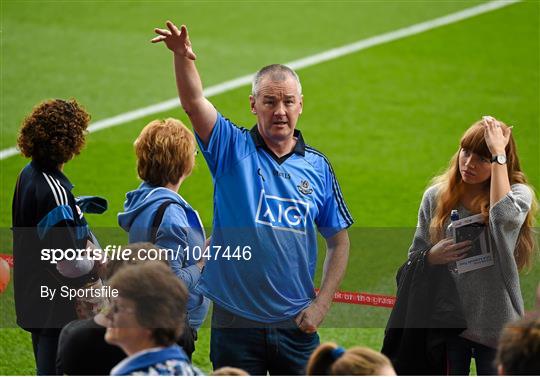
{"points": [[272, 193]]}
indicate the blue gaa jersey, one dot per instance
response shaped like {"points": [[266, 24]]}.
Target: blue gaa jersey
{"points": [[267, 210]]}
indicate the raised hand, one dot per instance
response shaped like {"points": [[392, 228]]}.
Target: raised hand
{"points": [[176, 40], [496, 135]]}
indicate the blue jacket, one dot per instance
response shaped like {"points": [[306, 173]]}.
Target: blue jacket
{"points": [[168, 361], [180, 231]]}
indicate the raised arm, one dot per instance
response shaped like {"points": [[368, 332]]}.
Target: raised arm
{"points": [[497, 136], [200, 111]]}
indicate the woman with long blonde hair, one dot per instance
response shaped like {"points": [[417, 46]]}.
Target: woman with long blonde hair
{"points": [[484, 177]]}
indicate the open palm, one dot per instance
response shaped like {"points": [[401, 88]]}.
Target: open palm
{"points": [[176, 40]]}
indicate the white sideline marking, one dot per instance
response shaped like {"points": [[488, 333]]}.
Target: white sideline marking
{"points": [[297, 64]]}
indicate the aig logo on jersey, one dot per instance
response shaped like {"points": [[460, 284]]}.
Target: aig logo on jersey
{"points": [[282, 213]]}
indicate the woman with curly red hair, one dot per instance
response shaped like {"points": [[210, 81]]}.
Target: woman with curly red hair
{"points": [[484, 177], [45, 217], [54, 132]]}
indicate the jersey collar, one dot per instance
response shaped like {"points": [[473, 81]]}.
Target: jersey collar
{"points": [[55, 172], [299, 148]]}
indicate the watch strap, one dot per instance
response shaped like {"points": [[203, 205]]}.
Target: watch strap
{"points": [[500, 159]]}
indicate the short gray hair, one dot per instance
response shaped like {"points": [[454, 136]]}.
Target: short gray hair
{"points": [[276, 72]]}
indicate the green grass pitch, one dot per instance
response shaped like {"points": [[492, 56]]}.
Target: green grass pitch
{"points": [[388, 117]]}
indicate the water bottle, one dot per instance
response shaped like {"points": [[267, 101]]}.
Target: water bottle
{"points": [[451, 233]]}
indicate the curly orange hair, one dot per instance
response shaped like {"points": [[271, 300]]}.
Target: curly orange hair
{"points": [[54, 132]]}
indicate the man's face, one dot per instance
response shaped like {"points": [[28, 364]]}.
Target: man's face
{"points": [[278, 105]]}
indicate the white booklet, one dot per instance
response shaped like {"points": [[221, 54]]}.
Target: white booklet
{"points": [[480, 255]]}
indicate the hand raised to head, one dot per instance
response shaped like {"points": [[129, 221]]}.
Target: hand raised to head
{"points": [[176, 40], [496, 134]]}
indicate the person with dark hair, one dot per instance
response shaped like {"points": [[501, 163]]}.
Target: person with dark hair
{"points": [[82, 349], [272, 194], [146, 319], [518, 353], [156, 213], [331, 360], [45, 217], [484, 179]]}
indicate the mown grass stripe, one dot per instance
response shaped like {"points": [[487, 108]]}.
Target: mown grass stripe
{"points": [[297, 64]]}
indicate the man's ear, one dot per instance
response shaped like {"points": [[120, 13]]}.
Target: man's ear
{"points": [[252, 104], [301, 103]]}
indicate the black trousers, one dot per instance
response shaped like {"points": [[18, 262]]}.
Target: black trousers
{"points": [[45, 345]]}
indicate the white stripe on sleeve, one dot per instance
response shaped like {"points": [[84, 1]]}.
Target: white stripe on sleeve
{"points": [[53, 189], [63, 191]]}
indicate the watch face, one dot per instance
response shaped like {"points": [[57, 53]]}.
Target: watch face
{"points": [[501, 159]]}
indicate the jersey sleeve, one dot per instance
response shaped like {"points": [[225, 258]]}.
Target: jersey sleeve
{"points": [[172, 235], [227, 145], [63, 228], [334, 214]]}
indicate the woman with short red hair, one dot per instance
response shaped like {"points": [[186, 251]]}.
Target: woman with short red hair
{"points": [[156, 213]]}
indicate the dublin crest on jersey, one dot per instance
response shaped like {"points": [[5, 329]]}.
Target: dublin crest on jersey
{"points": [[304, 188]]}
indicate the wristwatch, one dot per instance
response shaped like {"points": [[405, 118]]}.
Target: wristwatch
{"points": [[500, 159]]}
